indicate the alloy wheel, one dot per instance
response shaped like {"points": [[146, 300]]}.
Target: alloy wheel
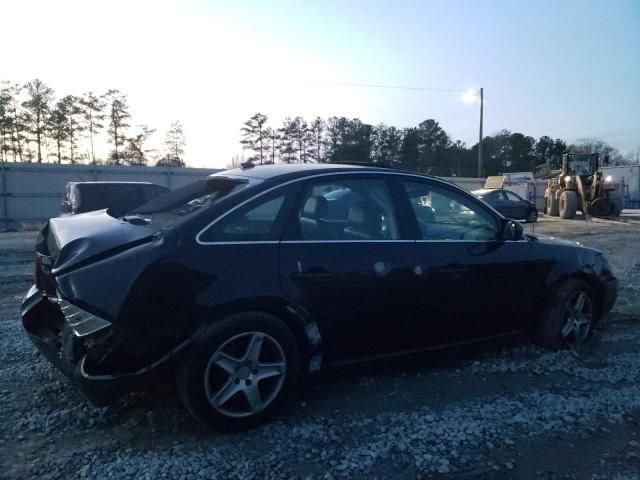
{"points": [[578, 315], [245, 374]]}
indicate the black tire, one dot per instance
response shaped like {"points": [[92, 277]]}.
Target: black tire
{"points": [[616, 204], [568, 204], [549, 329], [552, 206], [532, 216], [600, 207], [231, 331]]}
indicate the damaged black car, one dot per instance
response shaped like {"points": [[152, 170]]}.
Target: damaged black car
{"points": [[246, 280]]}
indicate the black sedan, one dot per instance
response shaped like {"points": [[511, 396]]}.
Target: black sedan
{"points": [[245, 280], [509, 204]]}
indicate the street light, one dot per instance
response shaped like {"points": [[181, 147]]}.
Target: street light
{"points": [[480, 175], [468, 97]]}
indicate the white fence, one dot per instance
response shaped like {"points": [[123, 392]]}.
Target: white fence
{"points": [[32, 191]]}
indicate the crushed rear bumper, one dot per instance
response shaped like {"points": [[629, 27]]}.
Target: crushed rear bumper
{"points": [[64, 347]]}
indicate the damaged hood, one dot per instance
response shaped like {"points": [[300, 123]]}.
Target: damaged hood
{"points": [[89, 236]]}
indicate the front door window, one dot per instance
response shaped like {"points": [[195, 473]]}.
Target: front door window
{"points": [[443, 214]]}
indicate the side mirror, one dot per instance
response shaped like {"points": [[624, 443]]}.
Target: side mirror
{"points": [[512, 230]]}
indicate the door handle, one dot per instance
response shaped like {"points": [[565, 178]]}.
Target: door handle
{"points": [[311, 275]]}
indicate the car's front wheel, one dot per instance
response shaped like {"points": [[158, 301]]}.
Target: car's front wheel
{"points": [[532, 216], [569, 317], [238, 371]]}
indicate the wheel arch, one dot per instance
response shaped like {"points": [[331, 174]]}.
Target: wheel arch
{"points": [[593, 282], [303, 327]]}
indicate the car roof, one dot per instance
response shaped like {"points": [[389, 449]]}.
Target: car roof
{"points": [[114, 183], [260, 173], [484, 191], [264, 172]]}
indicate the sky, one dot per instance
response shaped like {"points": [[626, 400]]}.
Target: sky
{"points": [[563, 68]]}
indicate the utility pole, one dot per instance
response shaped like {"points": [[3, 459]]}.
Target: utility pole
{"points": [[480, 136]]}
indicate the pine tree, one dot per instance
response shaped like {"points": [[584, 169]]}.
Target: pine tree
{"points": [[300, 134], [316, 139], [37, 106], [135, 152], [6, 124], [287, 145], [58, 126], [93, 115], [174, 143], [118, 112], [254, 135], [272, 143]]}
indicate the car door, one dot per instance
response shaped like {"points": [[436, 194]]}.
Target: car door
{"points": [[518, 205], [502, 204], [344, 260], [474, 284]]}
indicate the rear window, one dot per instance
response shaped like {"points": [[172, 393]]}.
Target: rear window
{"points": [[165, 210]]}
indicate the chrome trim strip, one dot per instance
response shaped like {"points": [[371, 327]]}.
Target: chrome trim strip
{"points": [[308, 177], [274, 242]]}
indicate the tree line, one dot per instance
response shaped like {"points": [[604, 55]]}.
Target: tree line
{"points": [[37, 127], [426, 148]]}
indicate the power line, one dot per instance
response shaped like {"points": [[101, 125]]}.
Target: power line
{"points": [[393, 87]]}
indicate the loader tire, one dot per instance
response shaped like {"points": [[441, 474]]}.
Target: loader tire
{"points": [[568, 204], [552, 206], [616, 205], [600, 207]]}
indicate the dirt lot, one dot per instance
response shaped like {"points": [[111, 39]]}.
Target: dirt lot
{"points": [[511, 413]]}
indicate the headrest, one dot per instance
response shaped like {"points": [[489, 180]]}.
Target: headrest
{"points": [[364, 214], [315, 207]]}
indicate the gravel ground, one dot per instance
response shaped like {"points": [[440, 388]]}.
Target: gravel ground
{"points": [[518, 412]]}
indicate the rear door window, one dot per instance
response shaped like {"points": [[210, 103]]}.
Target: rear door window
{"points": [[345, 210], [513, 197]]}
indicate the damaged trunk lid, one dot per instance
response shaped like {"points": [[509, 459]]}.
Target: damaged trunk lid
{"points": [[69, 242]]}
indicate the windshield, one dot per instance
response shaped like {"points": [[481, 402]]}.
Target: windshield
{"points": [[580, 165], [163, 211]]}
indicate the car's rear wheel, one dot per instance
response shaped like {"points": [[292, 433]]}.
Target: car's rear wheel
{"points": [[569, 318], [238, 371]]}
